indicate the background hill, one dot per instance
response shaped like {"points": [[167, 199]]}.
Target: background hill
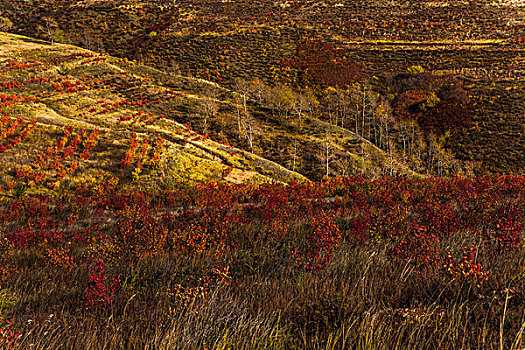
{"points": [[69, 114], [479, 42]]}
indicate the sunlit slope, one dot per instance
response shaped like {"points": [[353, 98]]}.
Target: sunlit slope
{"points": [[69, 114], [84, 114]]}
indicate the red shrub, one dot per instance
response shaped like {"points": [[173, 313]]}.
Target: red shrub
{"points": [[466, 268], [417, 247], [314, 252], [138, 234], [8, 338], [100, 292], [320, 62]]}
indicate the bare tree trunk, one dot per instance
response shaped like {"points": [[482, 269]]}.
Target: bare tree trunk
{"points": [[294, 153], [48, 29], [249, 135], [239, 115], [363, 115], [356, 119], [327, 158]]}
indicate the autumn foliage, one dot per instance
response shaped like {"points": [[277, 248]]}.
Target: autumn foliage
{"points": [[322, 63], [113, 243], [438, 103]]}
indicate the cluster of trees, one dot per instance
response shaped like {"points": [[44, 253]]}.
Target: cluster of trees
{"points": [[438, 103], [322, 63], [409, 116]]}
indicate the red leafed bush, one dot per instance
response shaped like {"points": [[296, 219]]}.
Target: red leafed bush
{"points": [[320, 62], [41, 233], [60, 258], [314, 251], [8, 338], [441, 220], [7, 272], [100, 292], [133, 144], [505, 229], [438, 102], [138, 234], [466, 268], [417, 247]]}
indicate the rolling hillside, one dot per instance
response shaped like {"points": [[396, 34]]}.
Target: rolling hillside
{"points": [[78, 114], [69, 114], [481, 42], [255, 174]]}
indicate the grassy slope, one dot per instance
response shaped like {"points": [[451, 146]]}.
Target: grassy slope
{"points": [[247, 268], [109, 81], [182, 160]]}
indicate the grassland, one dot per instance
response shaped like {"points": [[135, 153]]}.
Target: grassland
{"points": [[62, 87], [344, 264], [180, 180]]}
